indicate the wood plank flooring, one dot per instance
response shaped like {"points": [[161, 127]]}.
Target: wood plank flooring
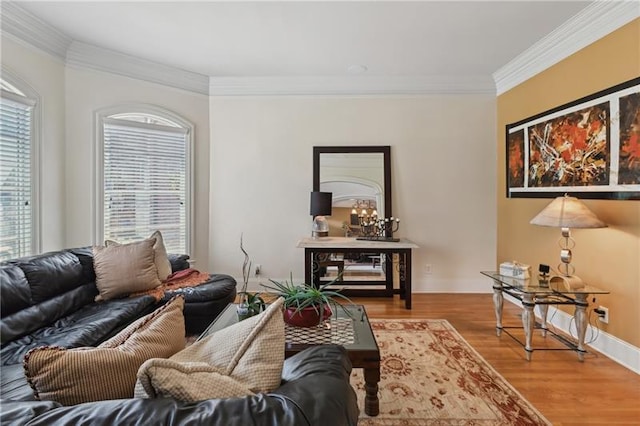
{"points": [[597, 391]]}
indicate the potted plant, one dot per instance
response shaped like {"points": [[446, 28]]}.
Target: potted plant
{"points": [[306, 305], [250, 303]]}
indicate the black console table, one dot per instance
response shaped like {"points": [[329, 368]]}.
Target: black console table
{"points": [[317, 250]]}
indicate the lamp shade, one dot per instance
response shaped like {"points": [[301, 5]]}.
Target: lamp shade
{"points": [[567, 212], [321, 203]]}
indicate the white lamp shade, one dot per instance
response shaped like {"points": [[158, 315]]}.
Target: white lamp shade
{"points": [[567, 212]]}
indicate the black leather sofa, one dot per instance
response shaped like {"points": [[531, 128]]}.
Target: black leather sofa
{"points": [[315, 390], [48, 300]]}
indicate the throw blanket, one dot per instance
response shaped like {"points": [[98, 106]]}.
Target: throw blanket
{"points": [[186, 278]]}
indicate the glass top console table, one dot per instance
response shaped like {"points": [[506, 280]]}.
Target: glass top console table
{"points": [[533, 292]]}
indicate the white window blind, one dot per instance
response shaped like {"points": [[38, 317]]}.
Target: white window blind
{"points": [[144, 182], [16, 216]]}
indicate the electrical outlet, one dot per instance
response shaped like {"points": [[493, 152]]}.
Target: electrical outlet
{"points": [[427, 268], [258, 270], [604, 318]]}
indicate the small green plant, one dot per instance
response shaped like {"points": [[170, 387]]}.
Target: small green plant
{"points": [[250, 303], [254, 303], [300, 296]]}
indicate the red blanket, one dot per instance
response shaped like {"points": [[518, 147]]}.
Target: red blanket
{"points": [[186, 278]]}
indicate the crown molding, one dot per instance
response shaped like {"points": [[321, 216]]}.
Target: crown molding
{"points": [[85, 55], [592, 23], [350, 85], [22, 26], [589, 25]]}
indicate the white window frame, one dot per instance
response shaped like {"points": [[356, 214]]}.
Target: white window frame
{"points": [[32, 98], [103, 115]]}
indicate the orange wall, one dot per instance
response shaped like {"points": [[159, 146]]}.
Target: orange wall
{"points": [[608, 258]]}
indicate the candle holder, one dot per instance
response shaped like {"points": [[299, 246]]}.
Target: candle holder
{"points": [[374, 228]]}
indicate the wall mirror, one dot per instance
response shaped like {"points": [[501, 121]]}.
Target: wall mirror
{"points": [[359, 178]]}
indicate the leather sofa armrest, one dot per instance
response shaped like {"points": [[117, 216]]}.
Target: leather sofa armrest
{"points": [[317, 379], [178, 262], [318, 360], [258, 410], [21, 412]]}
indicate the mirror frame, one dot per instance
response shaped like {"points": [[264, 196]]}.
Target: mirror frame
{"points": [[385, 150]]}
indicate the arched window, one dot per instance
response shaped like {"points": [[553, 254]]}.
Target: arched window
{"points": [[19, 233], [144, 176]]}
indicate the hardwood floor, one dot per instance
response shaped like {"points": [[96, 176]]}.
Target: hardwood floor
{"points": [[564, 390]]}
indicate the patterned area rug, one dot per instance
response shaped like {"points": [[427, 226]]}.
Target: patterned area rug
{"points": [[431, 376]]}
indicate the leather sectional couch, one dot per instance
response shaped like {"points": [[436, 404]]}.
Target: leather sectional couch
{"points": [[49, 300]]}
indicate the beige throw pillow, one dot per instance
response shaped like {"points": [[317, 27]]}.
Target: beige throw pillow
{"points": [[161, 258], [74, 376], [124, 269], [239, 360]]}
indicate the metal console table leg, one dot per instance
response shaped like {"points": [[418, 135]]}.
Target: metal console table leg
{"points": [[544, 309], [581, 322], [528, 322], [498, 301]]}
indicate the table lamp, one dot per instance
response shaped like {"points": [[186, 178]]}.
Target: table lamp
{"points": [[567, 212], [320, 207]]}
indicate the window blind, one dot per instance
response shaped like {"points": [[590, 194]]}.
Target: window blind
{"points": [[144, 182], [15, 176]]}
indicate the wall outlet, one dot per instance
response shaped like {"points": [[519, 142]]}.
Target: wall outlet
{"points": [[427, 268], [604, 318], [258, 270]]}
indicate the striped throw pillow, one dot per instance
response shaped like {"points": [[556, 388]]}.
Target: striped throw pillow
{"points": [[74, 376]]}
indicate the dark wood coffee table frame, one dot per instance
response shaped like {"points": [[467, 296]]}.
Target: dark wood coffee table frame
{"points": [[363, 352]]}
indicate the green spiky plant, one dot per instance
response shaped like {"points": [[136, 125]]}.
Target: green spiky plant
{"points": [[300, 296], [250, 303]]}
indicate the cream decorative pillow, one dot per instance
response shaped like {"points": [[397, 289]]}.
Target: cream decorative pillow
{"points": [[239, 360], [74, 376], [124, 269], [161, 258]]}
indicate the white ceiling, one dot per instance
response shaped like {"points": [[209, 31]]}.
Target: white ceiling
{"points": [[424, 39]]}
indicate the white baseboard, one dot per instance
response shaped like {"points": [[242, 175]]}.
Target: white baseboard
{"points": [[435, 284], [618, 350]]}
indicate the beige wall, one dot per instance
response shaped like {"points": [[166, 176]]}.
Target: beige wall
{"points": [[89, 91], [253, 168], [45, 75], [70, 97], [443, 177], [607, 258]]}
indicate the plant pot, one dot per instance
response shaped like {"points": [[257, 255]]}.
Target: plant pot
{"points": [[306, 317], [243, 312], [247, 309]]}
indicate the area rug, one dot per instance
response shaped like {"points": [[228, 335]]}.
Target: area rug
{"points": [[431, 376]]}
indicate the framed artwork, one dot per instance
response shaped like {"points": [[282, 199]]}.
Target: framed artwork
{"points": [[589, 148]]}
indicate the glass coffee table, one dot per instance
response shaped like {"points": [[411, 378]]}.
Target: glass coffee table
{"points": [[353, 332]]}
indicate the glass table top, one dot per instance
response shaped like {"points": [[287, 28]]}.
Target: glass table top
{"points": [[539, 286], [350, 329]]}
